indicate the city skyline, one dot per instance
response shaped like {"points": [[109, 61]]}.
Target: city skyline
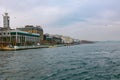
{"points": [[81, 19]]}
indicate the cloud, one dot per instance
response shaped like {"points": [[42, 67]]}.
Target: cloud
{"points": [[89, 31], [83, 19]]}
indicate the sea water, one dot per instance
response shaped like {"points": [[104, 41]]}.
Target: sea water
{"points": [[98, 61]]}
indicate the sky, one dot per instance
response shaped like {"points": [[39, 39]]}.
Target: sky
{"points": [[97, 20]]}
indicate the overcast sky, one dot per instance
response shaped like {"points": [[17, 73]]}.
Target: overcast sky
{"points": [[81, 19]]}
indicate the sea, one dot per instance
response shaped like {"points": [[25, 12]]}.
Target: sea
{"points": [[98, 61]]}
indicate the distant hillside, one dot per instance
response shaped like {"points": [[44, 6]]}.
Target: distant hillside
{"points": [[86, 42]]}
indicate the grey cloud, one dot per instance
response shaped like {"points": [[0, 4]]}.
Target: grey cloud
{"points": [[83, 19]]}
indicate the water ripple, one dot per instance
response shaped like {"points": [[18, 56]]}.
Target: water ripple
{"points": [[100, 61]]}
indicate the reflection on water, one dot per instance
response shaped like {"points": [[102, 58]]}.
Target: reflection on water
{"points": [[100, 61]]}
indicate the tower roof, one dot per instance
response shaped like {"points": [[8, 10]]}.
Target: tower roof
{"points": [[6, 13]]}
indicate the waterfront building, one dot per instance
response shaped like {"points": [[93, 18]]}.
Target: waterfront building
{"points": [[76, 41], [67, 40], [18, 38], [33, 29], [54, 39], [57, 38], [60, 39], [11, 39]]}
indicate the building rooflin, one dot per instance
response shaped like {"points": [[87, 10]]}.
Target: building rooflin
{"points": [[19, 31], [31, 27]]}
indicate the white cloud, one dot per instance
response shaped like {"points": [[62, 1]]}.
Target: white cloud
{"points": [[93, 29], [101, 19]]}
